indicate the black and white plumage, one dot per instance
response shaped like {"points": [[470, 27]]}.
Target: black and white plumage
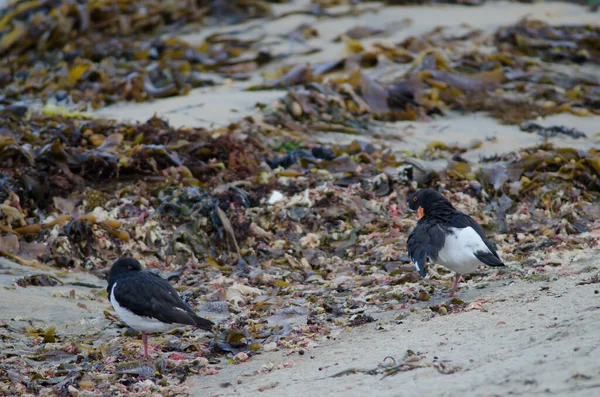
{"points": [[447, 236], [147, 303]]}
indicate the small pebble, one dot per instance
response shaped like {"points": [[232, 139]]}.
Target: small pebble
{"points": [[241, 357], [269, 347]]}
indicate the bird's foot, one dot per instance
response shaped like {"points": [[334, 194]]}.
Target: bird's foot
{"points": [[145, 340]]}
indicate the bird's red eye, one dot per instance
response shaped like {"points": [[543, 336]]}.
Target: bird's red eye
{"points": [[130, 267], [415, 199]]}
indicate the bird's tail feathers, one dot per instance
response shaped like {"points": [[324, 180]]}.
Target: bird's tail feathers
{"points": [[488, 258], [203, 323]]}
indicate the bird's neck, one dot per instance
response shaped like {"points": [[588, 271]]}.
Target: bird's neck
{"points": [[112, 280], [439, 209], [109, 287]]}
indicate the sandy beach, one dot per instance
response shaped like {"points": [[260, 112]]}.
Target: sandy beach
{"points": [[530, 329], [519, 339]]}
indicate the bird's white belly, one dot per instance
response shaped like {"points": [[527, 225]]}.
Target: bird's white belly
{"points": [[458, 252], [139, 323]]}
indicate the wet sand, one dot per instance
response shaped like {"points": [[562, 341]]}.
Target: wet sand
{"points": [[527, 338], [45, 307]]}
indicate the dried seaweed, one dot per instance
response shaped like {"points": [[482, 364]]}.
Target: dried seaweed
{"points": [[38, 280], [504, 83], [552, 130], [65, 21], [572, 43], [93, 53]]}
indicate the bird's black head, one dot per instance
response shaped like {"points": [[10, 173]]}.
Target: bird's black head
{"points": [[123, 265], [424, 201]]}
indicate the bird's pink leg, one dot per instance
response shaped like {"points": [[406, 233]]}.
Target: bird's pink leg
{"points": [[145, 340], [456, 278]]}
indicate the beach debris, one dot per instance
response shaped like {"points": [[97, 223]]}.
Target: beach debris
{"points": [[552, 131], [38, 280], [411, 361]]}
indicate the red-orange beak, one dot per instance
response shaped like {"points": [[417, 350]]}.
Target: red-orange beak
{"points": [[420, 212]]}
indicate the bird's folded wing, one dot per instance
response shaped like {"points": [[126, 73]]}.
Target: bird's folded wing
{"points": [[151, 298], [169, 288], [425, 241]]}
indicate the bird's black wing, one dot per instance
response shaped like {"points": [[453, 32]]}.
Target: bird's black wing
{"points": [[181, 303], [148, 295], [425, 242]]}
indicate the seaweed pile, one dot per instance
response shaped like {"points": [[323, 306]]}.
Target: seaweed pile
{"points": [[576, 43], [446, 71], [101, 52], [98, 53]]}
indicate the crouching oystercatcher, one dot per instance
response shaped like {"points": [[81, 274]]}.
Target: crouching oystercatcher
{"points": [[447, 236], [147, 303]]}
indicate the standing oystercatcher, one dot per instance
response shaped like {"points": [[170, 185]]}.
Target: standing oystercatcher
{"points": [[446, 236], [147, 303]]}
